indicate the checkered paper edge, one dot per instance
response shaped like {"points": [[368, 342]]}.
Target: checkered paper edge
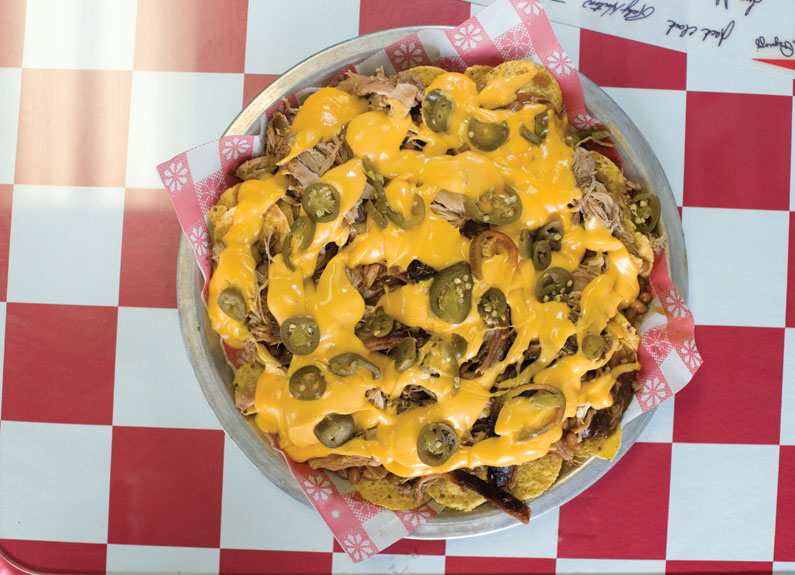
{"points": [[506, 30]]}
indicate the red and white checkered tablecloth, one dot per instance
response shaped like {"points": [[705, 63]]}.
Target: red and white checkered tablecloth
{"points": [[110, 460]]}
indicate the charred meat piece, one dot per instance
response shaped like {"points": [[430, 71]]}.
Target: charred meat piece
{"points": [[604, 421], [503, 477], [497, 497]]}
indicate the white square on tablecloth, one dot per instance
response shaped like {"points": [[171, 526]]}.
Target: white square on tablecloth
{"points": [[80, 34], [661, 427], [171, 112], [10, 86], [277, 37], [722, 504], [341, 564], [784, 567], [539, 539], [65, 245], [255, 514], [660, 116], [153, 374], [54, 481], [733, 281], [566, 566], [788, 390], [792, 163], [157, 559], [708, 75]]}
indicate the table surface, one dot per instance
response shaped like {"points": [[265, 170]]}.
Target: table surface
{"points": [[110, 460]]}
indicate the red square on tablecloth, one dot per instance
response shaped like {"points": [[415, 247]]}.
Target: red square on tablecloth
{"points": [[719, 567], [246, 561], [73, 127], [502, 565], [791, 273], [165, 487], [149, 246], [617, 62], [741, 364], [12, 31], [737, 151], [785, 512], [625, 514], [377, 15], [6, 193], [253, 84], [191, 35], [54, 556], [59, 363]]}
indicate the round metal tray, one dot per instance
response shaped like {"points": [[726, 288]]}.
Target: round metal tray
{"points": [[215, 375]]}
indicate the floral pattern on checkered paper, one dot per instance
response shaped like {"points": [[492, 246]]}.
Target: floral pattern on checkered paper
{"points": [[415, 518], [560, 63], [658, 346], [317, 487], [530, 7], [655, 391], [362, 510], [584, 120], [407, 54], [468, 36], [690, 354], [234, 147], [200, 240], [175, 175], [513, 43], [358, 545], [674, 304]]}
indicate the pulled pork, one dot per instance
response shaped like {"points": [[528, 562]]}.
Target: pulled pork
{"points": [[404, 88], [450, 206], [596, 201], [278, 141], [309, 165]]}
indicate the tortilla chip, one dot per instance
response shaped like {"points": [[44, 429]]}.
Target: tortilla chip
{"points": [[604, 447], [425, 74], [478, 74], [451, 495], [384, 493], [229, 198], [543, 83], [275, 226], [221, 219], [535, 477], [608, 173]]}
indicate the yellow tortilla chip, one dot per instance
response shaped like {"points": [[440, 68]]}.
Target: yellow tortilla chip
{"points": [[229, 198], [425, 74], [604, 447], [608, 173], [478, 74], [275, 226], [451, 495], [543, 83], [382, 492], [221, 219], [535, 477]]}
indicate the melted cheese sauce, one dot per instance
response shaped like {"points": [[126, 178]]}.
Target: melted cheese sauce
{"points": [[543, 178]]}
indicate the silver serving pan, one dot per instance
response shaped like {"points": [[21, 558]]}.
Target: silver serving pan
{"points": [[215, 376]]}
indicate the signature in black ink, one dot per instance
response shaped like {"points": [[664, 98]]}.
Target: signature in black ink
{"points": [[688, 30], [721, 34], [683, 29], [786, 47], [725, 3], [630, 12], [751, 4]]}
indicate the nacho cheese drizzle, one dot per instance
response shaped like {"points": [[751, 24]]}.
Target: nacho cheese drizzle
{"points": [[543, 179]]}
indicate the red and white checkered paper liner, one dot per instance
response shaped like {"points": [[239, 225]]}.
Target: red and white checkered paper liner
{"points": [[506, 30]]}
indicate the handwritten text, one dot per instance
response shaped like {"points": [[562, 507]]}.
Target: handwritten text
{"points": [[786, 47], [630, 11], [720, 34]]}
